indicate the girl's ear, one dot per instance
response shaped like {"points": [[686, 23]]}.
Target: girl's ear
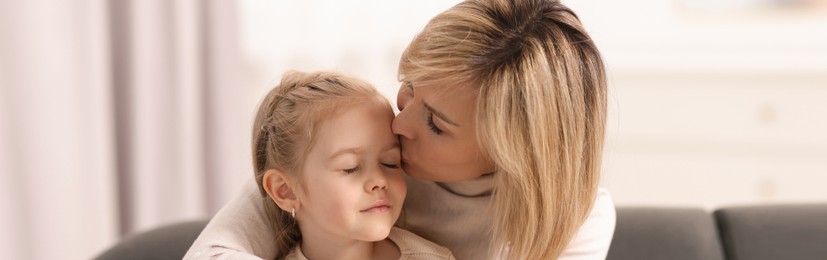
{"points": [[277, 184]]}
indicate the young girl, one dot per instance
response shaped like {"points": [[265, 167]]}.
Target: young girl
{"points": [[328, 167]]}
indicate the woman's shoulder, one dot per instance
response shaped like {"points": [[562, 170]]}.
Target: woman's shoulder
{"points": [[412, 246], [595, 235], [602, 215]]}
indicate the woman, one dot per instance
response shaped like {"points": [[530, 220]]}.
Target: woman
{"points": [[501, 123]]}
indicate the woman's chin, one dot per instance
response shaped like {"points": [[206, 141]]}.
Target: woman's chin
{"points": [[417, 173], [450, 176], [427, 176]]}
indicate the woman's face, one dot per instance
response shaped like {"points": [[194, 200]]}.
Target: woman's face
{"points": [[437, 132]]}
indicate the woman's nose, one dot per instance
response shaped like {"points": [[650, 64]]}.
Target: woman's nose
{"points": [[401, 123], [403, 97]]}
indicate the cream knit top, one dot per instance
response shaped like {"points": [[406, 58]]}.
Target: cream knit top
{"points": [[457, 216], [411, 247]]}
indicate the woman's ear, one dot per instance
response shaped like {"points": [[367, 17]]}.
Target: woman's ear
{"points": [[277, 184]]}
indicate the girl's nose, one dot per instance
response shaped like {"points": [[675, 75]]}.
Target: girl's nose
{"points": [[376, 181]]}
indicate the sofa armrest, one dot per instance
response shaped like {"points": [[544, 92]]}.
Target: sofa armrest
{"points": [[774, 232], [664, 233]]}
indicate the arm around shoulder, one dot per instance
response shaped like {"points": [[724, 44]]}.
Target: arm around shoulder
{"points": [[595, 235], [238, 231]]}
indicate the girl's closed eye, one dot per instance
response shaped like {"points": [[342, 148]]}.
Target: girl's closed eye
{"points": [[391, 165], [351, 170]]}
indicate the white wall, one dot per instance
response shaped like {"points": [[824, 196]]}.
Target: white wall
{"points": [[363, 38], [714, 104], [711, 104], [55, 158]]}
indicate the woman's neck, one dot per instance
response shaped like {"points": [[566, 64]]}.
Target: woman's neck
{"points": [[479, 187], [329, 247]]}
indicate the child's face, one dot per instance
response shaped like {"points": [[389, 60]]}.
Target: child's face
{"points": [[353, 186]]}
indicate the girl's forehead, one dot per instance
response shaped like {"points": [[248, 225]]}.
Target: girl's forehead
{"points": [[359, 126]]}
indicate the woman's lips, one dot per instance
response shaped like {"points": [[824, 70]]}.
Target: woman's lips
{"points": [[406, 165], [377, 207]]}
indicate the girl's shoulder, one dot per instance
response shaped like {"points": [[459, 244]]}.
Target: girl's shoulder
{"points": [[412, 246]]}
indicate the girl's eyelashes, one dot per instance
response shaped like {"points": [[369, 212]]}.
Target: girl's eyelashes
{"points": [[433, 126], [391, 165], [351, 170], [357, 168]]}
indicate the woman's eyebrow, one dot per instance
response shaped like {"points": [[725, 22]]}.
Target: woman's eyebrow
{"points": [[440, 114], [431, 109], [410, 86]]}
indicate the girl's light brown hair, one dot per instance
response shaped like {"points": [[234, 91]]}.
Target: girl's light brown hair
{"points": [[540, 111], [284, 130]]}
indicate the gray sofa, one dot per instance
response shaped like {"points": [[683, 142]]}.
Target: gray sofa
{"points": [[786, 232], [778, 232]]}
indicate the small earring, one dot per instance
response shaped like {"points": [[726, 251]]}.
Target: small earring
{"points": [[293, 212]]}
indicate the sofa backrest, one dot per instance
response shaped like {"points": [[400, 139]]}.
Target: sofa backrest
{"points": [[664, 233], [788, 232], [162, 243]]}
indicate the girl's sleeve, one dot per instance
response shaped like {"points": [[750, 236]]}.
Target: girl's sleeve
{"points": [[238, 231], [595, 236]]}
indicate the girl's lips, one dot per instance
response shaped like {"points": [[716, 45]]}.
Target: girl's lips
{"points": [[377, 209], [378, 206]]}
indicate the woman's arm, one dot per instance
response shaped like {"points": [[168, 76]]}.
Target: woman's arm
{"points": [[238, 231], [594, 237]]}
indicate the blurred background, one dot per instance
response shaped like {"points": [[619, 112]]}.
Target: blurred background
{"points": [[120, 116]]}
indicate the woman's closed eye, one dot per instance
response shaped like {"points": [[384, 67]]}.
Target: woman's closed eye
{"points": [[433, 126]]}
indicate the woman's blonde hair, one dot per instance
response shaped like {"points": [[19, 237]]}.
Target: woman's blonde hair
{"points": [[540, 111], [284, 130]]}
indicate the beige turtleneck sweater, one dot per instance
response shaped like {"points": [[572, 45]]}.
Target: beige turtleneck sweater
{"points": [[457, 215]]}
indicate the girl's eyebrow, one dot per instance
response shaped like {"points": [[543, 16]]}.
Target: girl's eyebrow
{"points": [[346, 151], [394, 145], [360, 150]]}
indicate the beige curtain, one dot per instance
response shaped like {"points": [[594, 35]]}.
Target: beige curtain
{"points": [[115, 117]]}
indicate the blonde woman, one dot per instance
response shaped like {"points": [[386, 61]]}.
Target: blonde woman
{"points": [[501, 124]]}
